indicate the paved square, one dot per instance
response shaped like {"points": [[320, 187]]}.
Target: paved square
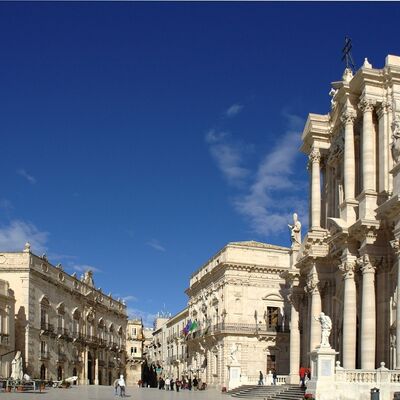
{"points": [[107, 393]]}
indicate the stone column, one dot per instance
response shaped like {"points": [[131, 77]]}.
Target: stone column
{"points": [[315, 158], [294, 340], [347, 119], [384, 157], [368, 314], [349, 315], [396, 247], [315, 309], [368, 160]]}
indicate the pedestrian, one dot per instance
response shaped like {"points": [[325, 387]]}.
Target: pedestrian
{"points": [[116, 387], [189, 385], [302, 373], [167, 383], [171, 383], [261, 379], [177, 384], [274, 376], [121, 384], [195, 383]]}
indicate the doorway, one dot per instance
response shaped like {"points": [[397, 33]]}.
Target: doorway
{"points": [[90, 368], [43, 372], [59, 373], [74, 373], [271, 362]]}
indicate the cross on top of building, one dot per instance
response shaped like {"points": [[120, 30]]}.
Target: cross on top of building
{"points": [[347, 54]]}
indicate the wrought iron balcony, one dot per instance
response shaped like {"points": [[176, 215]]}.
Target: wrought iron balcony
{"points": [[46, 328], [4, 339]]}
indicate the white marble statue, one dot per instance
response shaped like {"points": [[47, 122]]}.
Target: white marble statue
{"points": [[395, 145], [326, 327], [233, 353], [295, 230], [16, 367]]}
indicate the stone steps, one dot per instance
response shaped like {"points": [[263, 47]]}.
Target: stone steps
{"points": [[284, 392]]}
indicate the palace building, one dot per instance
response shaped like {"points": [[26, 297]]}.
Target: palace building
{"points": [[64, 326]]}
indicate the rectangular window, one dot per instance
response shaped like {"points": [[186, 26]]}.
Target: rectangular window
{"points": [[135, 350]]}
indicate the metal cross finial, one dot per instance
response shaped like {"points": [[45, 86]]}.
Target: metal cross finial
{"points": [[347, 54]]}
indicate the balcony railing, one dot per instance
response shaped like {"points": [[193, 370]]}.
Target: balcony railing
{"points": [[46, 327], [78, 337], [260, 329], [61, 357], [62, 332]]}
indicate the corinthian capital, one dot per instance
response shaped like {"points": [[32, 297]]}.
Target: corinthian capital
{"points": [[348, 116], [395, 243], [365, 264], [347, 269], [315, 155], [366, 104]]}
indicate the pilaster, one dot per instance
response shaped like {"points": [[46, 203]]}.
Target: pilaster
{"points": [[315, 158], [396, 248]]}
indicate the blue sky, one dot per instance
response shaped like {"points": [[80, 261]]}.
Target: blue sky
{"points": [[140, 138]]}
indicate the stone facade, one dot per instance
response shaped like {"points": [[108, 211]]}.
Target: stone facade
{"points": [[7, 328], [134, 351], [348, 263], [64, 326], [238, 302]]}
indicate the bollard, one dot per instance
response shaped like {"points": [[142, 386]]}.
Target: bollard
{"points": [[374, 394]]}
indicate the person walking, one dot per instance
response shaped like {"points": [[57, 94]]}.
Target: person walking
{"points": [[171, 384], [116, 387], [195, 383], [121, 384], [261, 379], [274, 376], [302, 373], [167, 383], [177, 384]]}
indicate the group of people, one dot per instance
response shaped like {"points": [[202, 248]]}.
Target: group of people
{"points": [[274, 377], [188, 384], [119, 386]]}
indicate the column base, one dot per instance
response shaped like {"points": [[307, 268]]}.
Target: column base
{"points": [[348, 211], [367, 200]]}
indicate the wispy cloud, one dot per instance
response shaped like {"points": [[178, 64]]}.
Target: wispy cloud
{"points": [[156, 245], [30, 178], [233, 110], [17, 233], [228, 156], [83, 267], [147, 317], [270, 193], [129, 298]]}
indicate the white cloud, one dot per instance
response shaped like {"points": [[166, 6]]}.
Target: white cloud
{"points": [[233, 110], [129, 298], [14, 236], [228, 157], [84, 268], [270, 194], [156, 245], [30, 178], [147, 317], [275, 194]]}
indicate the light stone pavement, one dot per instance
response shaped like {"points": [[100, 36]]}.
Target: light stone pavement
{"points": [[107, 393]]}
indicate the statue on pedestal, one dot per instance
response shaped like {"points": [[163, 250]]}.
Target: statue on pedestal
{"points": [[395, 145], [326, 327], [233, 352], [295, 230], [16, 367]]}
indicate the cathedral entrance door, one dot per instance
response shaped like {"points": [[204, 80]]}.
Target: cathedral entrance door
{"points": [[271, 363]]}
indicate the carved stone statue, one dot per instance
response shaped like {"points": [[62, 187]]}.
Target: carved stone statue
{"points": [[16, 367], [88, 278], [326, 327], [295, 230], [233, 353], [395, 145]]}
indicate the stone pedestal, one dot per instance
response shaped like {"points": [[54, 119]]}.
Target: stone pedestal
{"points": [[396, 178], [234, 372], [322, 382]]}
